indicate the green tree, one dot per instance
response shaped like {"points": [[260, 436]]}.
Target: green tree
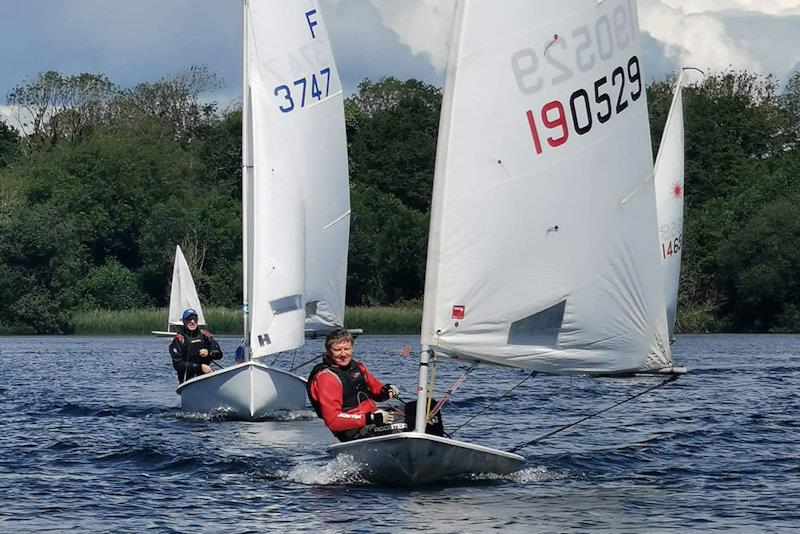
{"points": [[388, 241], [9, 144], [392, 129], [111, 286], [170, 107], [52, 107]]}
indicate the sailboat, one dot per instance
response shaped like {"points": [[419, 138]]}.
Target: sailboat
{"points": [[669, 184], [543, 221], [182, 295], [295, 203]]}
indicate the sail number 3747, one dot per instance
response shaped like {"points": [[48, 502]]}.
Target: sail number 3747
{"points": [[312, 86], [609, 97]]}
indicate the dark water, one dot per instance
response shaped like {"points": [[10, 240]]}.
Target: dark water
{"points": [[92, 440]]}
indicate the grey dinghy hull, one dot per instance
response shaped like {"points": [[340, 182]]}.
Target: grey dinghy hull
{"points": [[415, 459], [249, 391]]}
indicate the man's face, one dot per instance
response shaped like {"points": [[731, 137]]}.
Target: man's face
{"points": [[190, 323], [342, 352]]}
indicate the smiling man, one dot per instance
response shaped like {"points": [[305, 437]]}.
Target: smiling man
{"points": [[343, 392], [193, 349]]}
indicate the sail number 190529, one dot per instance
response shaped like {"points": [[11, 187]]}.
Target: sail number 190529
{"points": [[609, 97]]}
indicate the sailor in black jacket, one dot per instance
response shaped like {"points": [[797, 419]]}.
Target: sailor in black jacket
{"points": [[193, 349]]}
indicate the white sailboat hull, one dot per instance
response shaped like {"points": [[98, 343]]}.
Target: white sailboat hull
{"points": [[249, 391], [162, 333], [415, 459]]}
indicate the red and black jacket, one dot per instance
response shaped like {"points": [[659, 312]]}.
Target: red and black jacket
{"points": [[342, 397], [185, 352]]}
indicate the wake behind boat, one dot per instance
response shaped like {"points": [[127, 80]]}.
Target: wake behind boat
{"points": [[541, 250]]}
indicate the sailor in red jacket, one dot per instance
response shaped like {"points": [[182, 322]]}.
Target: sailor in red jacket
{"points": [[343, 392]]}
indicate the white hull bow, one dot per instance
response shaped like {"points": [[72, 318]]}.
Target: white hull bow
{"points": [[249, 391]]}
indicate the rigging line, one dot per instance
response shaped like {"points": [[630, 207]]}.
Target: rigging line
{"points": [[431, 380], [533, 373], [450, 391], [278, 354], [304, 363], [570, 425]]}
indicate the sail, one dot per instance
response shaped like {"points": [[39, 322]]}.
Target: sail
{"points": [[326, 189], [294, 148], [669, 199], [183, 293], [540, 253]]}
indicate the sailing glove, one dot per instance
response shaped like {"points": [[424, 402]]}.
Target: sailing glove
{"points": [[391, 391], [379, 417]]}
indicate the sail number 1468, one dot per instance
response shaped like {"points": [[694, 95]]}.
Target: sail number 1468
{"points": [[673, 246], [609, 98]]}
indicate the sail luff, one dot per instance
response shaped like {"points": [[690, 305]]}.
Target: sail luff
{"points": [[247, 180], [432, 269]]}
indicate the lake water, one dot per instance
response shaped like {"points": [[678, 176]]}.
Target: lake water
{"points": [[92, 439]]}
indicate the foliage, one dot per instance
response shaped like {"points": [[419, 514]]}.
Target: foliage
{"points": [[53, 107], [111, 286], [221, 321], [9, 144], [103, 182], [388, 241], [392, 131]]}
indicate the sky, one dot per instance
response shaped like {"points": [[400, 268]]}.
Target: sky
{"points": [[133, 41]]}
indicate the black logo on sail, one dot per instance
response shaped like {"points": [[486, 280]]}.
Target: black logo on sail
{"points": [[264, 339]]}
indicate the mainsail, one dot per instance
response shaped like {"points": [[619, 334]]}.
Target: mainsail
{"points": [[669, 198], [543, 218], [295, 192], [183, 293]]}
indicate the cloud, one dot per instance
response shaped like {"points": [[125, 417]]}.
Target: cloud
{"points": [[424, 26], [699, 40], [133, 42], [365, 47], [771, 7]]}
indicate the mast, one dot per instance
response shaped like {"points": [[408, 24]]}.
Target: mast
{"points": [[247, 171], [435, 230]]}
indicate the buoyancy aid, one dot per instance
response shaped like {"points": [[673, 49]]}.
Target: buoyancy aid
{"points": [[354, 384]]}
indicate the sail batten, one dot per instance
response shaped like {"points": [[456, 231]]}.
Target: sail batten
{"points": [[534, 261]]}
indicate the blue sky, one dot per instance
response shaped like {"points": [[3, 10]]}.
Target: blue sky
{"points": [[143, 40]]}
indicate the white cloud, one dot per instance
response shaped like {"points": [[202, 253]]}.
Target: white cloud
{"points": [[423, 25], [770, 7], [701, 40]]}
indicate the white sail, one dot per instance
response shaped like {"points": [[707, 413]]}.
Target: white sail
{"points": [[326, 191], [183, 293], [543, 217], [296, 202], [669, 199]]}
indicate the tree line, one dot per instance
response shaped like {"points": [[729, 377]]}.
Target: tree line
{"points": [[99, 183]]}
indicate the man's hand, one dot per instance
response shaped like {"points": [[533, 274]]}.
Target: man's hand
{"points": [[391, 391], [203, 352], [379, 417], [205, 368]]}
